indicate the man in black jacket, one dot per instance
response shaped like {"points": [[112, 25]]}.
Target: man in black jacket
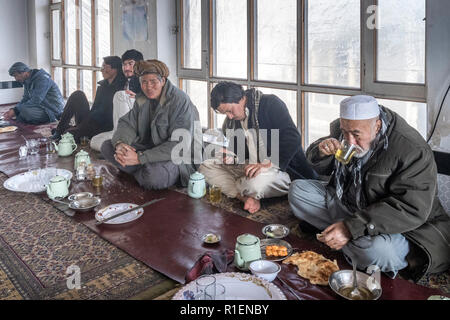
{"points": [[92, 121], [256, 176]]}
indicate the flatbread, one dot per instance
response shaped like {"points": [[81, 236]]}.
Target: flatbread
{"points": [[8, 129], [313, 266]]}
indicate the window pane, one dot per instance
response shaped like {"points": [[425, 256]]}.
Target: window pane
{"points": [[322, 109], [401, 41], [103, 31], [192, 34], [288, 97], [86, 33], [277, 40], [71, 31], [87, 84], [414, 113], [71, 81], [56, 35], [333, 41], [198, 92], [58, 78], [231, 39]]}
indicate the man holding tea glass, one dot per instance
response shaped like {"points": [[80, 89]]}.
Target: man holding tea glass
{"points": [[379, 207]]}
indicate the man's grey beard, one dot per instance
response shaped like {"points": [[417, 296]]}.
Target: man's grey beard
{"points": [[362, 154]]}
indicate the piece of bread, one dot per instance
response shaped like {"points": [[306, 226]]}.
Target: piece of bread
{"points": [[8, 129], [313, 266]]}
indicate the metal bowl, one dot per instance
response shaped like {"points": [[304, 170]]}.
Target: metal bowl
{"points": [[344, 279], [276, 231], [79, 196], [84, 204]]}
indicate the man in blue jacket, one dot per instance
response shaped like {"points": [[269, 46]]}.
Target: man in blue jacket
{"points": [[42, 101]]}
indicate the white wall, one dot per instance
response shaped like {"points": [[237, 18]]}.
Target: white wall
{"points": [[438, 70], [120, 44], [161, 43], [167, 40], [14, 40], [39, 34]]}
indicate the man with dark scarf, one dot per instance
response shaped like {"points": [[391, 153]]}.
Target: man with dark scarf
{"points": [[254, 177], [382, 207]]}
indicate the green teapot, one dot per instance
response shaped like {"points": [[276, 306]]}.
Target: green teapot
{"points": [[248, 249], [80, 157], [65, 147], [197, 186], [58, 187]]}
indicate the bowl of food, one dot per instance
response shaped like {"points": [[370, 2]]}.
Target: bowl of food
{"points": [[341, 282], [265, 269], [211, 238], [276, 231]]}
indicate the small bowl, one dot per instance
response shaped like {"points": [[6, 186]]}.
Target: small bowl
{"points": [[79, 196], [344, 278], [276, 231], [265, 269], [211, 238]]}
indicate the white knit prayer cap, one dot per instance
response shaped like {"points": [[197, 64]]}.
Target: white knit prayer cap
{"points": [[359, 108]]}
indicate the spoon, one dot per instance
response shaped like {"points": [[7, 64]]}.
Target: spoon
{"points": [[69, 213], [355, 291]]}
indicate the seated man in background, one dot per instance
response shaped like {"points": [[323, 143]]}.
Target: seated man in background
{"points": [[143, 142], [91, 121], [382, 207], [123, 100], [257, 178], [42, 101]]}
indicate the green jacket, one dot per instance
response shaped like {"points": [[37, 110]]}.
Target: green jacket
{"points": [[400, 186], [174, 111]]}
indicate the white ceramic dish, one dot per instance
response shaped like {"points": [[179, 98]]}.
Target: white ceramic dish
{"points": [[238, 286], [265, 269], [32, 181], [117, 208]]}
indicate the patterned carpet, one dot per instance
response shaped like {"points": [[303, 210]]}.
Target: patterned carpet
{"points": [[38, 243], [277, 210]]}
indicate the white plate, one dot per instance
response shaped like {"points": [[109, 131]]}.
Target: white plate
{"points": [[117, 208], [31, 182], [238, 286]]}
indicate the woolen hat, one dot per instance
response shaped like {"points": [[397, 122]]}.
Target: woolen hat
{"points": [[18, 67], [151, 66]]}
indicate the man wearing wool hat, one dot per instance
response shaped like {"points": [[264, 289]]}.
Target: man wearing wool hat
{"points": [[382, 207], [42, 101], [143, 142]]}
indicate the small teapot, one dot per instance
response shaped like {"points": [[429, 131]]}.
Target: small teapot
{"points": [[80, 157], [58, 187], [65, 147], [68, 137], [197, 186], [248, 249]]}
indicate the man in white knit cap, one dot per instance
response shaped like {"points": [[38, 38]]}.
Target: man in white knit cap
{"points": [[380, 208]]}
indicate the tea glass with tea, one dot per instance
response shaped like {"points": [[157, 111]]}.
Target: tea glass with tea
{"points": [[346, 152], [84, 142], [215, 194]]}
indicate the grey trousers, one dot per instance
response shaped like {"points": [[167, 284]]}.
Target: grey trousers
{"points": [[313, 202], [151, 176], [33, 115]]}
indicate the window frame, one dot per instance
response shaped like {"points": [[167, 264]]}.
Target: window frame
{"points": [[369, 85], [79, 67]]}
